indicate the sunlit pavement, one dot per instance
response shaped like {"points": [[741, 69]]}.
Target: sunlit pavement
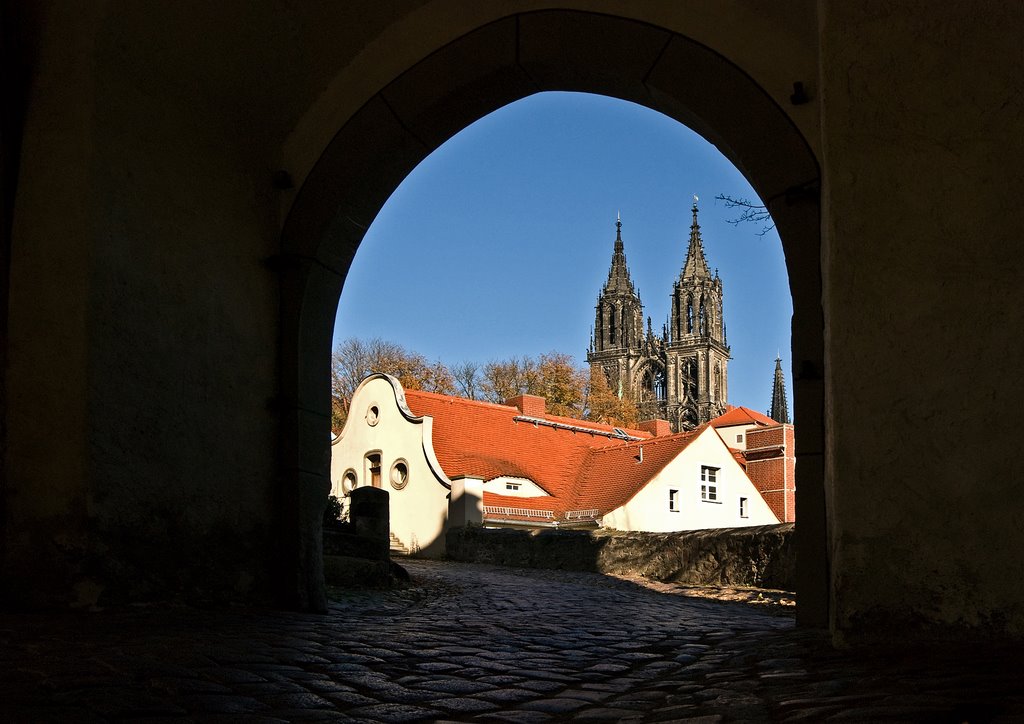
{"points": [[470, 642]]}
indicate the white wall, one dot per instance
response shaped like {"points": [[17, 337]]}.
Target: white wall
{"points": [[649, 510], [728, 435], [527, 488], [419, 511]]}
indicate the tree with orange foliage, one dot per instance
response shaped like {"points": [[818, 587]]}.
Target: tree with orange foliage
{"points": [[353, 360], [603, 405]]}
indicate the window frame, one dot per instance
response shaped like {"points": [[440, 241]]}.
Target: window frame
{"points": [[349, 481], [709, 485], [403, 479], [374, 468]]}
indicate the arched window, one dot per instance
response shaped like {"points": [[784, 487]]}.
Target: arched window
{"points": [[647, 385], [659, 384], [689, 314], [688, 379], [373, 469], [703, 319]]}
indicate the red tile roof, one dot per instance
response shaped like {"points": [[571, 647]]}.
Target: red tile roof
{"points": [[612, 476], [741, 416], [578, 469]]}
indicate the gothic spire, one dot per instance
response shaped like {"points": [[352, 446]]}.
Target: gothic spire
{"points": [[696, 265], [618, 275], [780, 409]]}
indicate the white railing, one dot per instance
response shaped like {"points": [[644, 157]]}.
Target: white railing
{"points": [[501, 510], [582, 514]]}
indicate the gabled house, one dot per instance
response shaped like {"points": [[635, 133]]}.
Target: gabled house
{"points": [[767, 450], [771, 467], [736, 422], [449, 460]]}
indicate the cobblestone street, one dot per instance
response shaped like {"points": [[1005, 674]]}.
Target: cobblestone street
{"points": [[470, 642]]}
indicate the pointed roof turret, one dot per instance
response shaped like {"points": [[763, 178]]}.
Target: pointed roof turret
{"points": [[696, 265], [780, 409], [618, 275]]}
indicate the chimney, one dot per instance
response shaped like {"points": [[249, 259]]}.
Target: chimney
{"points": [[656, 427], [529, 405]]}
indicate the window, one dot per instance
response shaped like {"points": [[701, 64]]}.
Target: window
{"points": [[709, 484], [673, 500], [511, 486], [399, 474], [739, 438], [372, 415], [743, 507], [373, 469], [348, 482]]}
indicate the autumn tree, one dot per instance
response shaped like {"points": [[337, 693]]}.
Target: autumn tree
{"points": [[562, 383], [353, 360], [467, 379], [604, 405], [553, 376], [503, 380]]}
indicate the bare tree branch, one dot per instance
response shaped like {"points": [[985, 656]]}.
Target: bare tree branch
{"points": [[749, 213]]}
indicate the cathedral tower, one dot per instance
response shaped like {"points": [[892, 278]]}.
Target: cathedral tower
{"points": [[681, 376], [697, 355], [619, 344]]}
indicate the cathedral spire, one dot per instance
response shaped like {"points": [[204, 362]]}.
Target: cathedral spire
{"points": [[780, 409], [618, 274], [696, 265]]}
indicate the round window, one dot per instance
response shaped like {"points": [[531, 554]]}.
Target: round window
{"points": [[372, 415], [348, 482], [399, 475]]}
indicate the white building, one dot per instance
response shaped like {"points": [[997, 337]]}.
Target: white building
{"points": [[448, 460]]}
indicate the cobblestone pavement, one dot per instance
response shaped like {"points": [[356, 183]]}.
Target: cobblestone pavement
{"points": [[470, 642]]}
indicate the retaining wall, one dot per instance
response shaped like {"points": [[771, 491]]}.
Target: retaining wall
{"points": [[762, 556]]}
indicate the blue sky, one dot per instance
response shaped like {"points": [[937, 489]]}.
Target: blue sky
{"points": [[497, 244]]}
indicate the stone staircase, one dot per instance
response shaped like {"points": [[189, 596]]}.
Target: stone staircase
{"points": [[397, 547]]}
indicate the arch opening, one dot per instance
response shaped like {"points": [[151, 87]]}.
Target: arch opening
{"points": [[444, 93]]}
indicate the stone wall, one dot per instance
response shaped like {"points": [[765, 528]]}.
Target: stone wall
{"points": [[761, 556], [356, 552]]}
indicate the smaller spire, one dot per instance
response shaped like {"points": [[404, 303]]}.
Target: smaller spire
{"points": [[695, 265], [618, 273], [780, 407]]}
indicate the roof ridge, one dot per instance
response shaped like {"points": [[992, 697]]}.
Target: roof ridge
{"points": [[590, 423], [659, 440], [458, 399]]}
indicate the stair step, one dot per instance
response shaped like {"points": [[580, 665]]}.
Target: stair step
{"points": [[397, 547]]}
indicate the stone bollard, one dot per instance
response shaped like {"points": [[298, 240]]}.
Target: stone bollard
{"points": [[370, 515]]}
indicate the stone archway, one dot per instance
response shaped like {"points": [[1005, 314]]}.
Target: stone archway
{"points": [[494, 65]]}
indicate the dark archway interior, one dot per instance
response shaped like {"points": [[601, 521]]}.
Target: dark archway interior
{"points": [[472, 76]]}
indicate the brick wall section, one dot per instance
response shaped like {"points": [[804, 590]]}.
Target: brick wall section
{"points": [[760, 556], [765, 436], [771, 467], [530, 405], [656, 427]]}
